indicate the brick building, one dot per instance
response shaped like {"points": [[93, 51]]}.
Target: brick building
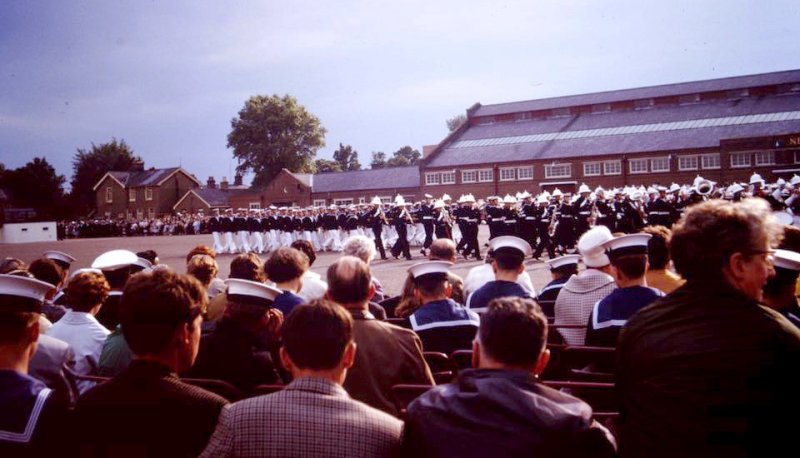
{"points": [[723, 129], [142, 193], [211, 197]]}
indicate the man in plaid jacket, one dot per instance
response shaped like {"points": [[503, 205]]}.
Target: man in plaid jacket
{"points": [[313, 416]]}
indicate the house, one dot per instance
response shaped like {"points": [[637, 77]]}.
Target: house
{"points": [[210, 198]]}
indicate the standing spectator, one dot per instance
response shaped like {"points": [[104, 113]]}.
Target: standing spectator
{"points": [[146, 410], [659, 275], [707, 371], [285, 268], [313, 416]]}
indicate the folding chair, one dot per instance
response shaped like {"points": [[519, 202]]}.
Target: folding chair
{"points": [[402, 322], [460, 360], [220, 387], [402, 395], [601, 396], [440, 366], [390, 304]]}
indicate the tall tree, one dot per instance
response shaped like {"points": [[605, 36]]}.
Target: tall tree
{"points": [[347, 158], [456, 121], [36, 185], [327, 165], [271, 133], [88, 166], [378, 160], [405, 156]]}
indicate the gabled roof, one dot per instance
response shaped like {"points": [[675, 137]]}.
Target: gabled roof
{"points": [[213, 197], [362, 180], [152, 177]]}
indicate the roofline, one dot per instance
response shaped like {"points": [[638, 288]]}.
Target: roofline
{"points": [[108, 174], [448, 139], [191, 191], [179, 169]]}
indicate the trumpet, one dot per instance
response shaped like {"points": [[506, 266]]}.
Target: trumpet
{"points": [[705, 187]]}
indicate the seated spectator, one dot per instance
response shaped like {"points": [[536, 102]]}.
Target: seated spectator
{"points": [[313, 416], [500, 408], [238, 350], [561, 270], [10, 265], [706, 370], [779, 289], [150, 255], [217, 284], [442, 324], [628, 255], [204, 268], [146, 410], [64, 261], [116, 266], [32, 416], [579, 294], [387, 355], [508, 256], [659, 276], [364, 249], [313, 285], [286, 268], [483, 274], [79, 328], [116, 355], [441, 250], [246, 266], [49, 271]]}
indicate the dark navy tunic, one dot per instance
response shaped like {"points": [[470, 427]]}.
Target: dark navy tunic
{"points": [[29, 416], [548, 295], [445, 326], [611, 313], [479, 300]]}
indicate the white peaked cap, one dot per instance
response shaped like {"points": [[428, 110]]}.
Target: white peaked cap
{"points": [[734, 188], [786, 259], [518, 195], [781, 182], [509, 199], [628, 244], [509, 241], [29, 291], [542, 199], [756, 178], [469, 198], [599, 190], [251, 292], [525, 194], [795, 179], [376, 200], [446, 197], [398, 198], [59, 256], [583, 189], [428, 196], [562, 261], [590, 245], [430, 268], [493, 198], [438, 204], [115, 259], [674, 187], [143, 263], [557, 193]]}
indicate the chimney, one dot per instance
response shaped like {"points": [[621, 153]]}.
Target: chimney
{"points": [[427, 150], [237, 180], [211, 184], [138, 166], [224, 183]]}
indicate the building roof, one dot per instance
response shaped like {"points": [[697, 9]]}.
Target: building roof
{"points": [[214, 197], [362, 180], [151, 177]]}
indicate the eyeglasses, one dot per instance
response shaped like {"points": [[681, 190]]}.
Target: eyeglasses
{"points": [[769, 255]]}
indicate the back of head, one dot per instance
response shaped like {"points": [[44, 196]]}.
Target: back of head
{"points": [[201, 249], [47, 271], [11, 264], [150, 255], [513, 332], [360, 247], [86, 290], [508, 258], [202, 267], [247, 266], [305, 247], [443, 250], [658, 246], [631, 266], [286, 264], [154, 305], [315, 335], [349, 281], [784, 280]]}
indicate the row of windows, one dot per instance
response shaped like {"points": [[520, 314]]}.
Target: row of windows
{"points": [[609, 168], [148, 194], [151, 213]]}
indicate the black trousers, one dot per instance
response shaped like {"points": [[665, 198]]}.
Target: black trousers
{"points": [[544, 242], [376, 232], [401, 246], [428, 225], [471, 238]]}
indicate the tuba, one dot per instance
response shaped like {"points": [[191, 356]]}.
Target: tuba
{"points": [[704, 187]]}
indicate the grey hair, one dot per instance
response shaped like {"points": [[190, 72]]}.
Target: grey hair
{"points": [[361, 247]]}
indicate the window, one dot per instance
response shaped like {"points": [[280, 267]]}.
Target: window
{"points": [[151, 213], [148, 193], [612, 167], [557, 171], [485, 175], [687, 162], [432, 178], [525, 173], [386, 199], [508, 174], [592, 169], [254, 205], [449, 177], [797, 157], [139, 214], [637, 165], [109, 195], [765, 158], [131, 195], [739, 160], [362, 200], [523, 116], [710, 161], [659, 164], [320, 203], [469, 176], [343, 201]]}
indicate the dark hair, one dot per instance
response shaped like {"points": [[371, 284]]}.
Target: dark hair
{"points": [[658, 246], [306, 248], [47, 271], [631, 265], [247, 266], [150, 255], [117, 278], [286, 264], [443, 249], [86, 290], [202, 267], [154, 305], [201, 249], [431, 285], [13, 324], [565, 270], [784, 278], [513, 331], [315, 334], [508, 258], [349, 280]]}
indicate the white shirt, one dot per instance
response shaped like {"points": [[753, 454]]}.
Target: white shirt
{"points": [[86, 336], [483, 274], [313, 286]]}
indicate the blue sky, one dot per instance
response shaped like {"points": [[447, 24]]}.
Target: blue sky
{"points": [[168, 76]]}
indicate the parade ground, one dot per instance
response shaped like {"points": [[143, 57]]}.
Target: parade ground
{"points": [[172, 251]]}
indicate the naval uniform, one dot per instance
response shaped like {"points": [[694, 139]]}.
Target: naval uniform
{"points": [[33, 419], [611, 313], [445, 326], [548, 295], [426, 215], [478, 300], [495, 219]]}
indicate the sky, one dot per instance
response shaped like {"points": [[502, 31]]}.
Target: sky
{"points": [[168, 76]]}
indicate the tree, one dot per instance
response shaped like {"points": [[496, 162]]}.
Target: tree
{"points": [[327, 165], [456, 121], [271, 133], [347, 158], [405, 156], [36, 185], [88, 166], [378, 160]]}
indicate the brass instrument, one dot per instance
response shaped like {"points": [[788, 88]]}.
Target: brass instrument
{"points": [[551, 230]]}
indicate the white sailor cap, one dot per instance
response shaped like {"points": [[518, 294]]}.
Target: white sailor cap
{"points": [[115, 259], [493, 198], [428, 196], [142, 264], [735, 188], [251, 292], [61, 258], [786, 259], [561, 261], [510, 242], [84, 271], [430, 269], [627, 244], [22, 294], [590, 245]]}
